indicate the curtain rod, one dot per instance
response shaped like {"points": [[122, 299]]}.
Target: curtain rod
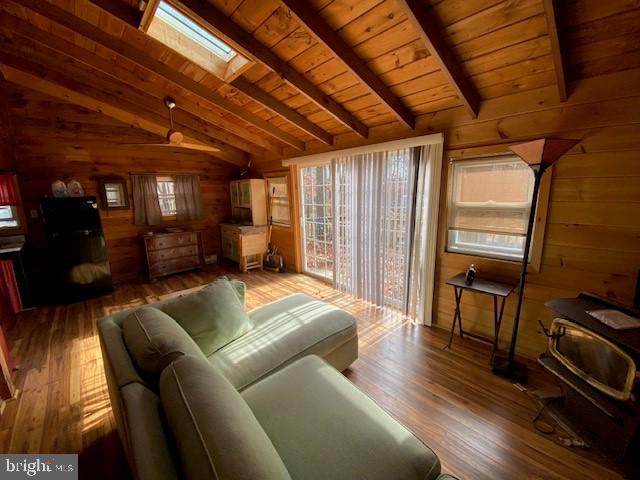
{"points": [[325, 157]]}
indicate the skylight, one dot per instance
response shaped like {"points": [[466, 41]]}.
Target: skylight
{"points": [[187, 35], [193, 31]]}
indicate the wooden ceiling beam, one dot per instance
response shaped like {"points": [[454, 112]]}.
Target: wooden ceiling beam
{"points": [[291, 115], [30, 75], [119, 9], [148, 14], [309, 18], [552, 14], [249, 46], [42, 57], [222, 128], [253, 92], [86, 29], [442, 53]]}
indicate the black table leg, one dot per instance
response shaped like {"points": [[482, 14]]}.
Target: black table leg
{"points": [[497, 322], [456, 316]]}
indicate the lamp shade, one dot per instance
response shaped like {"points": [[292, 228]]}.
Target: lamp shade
{"points": [[544, 151]]}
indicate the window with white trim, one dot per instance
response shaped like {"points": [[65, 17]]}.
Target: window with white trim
{"points": [[278, 189], [167, 196], [184, 33], [9, 217], [488, 207]]}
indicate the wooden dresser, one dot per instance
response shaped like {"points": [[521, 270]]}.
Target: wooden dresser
{"points": [[169, 253]]}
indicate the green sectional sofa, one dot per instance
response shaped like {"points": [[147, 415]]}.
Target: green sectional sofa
{"points": [[202, 390]]}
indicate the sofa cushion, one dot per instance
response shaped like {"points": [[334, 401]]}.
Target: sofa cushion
{"points": [[239, 287], [213, 316], [117, 358], [151, 454], [283, 331], [216, 433], [154, 340], [325, 428]]}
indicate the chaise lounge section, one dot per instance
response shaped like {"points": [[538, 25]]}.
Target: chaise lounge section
{"points": [[274, 391]]}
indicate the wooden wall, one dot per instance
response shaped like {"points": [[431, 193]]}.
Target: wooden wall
{"points": [[6, 132], [592, 238], [57, 140]]}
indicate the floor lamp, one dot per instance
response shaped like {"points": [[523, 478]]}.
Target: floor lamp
{"points": [[539, 155]]}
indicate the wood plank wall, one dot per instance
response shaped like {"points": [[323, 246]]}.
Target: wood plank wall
{"points": [[592, 239], [57, 140], [6, 132]]}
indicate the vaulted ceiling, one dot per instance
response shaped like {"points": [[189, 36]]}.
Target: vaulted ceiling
{"points": [[320, 68]]}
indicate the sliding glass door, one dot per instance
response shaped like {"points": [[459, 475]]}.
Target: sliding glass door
{"points": [[317, 220], [357, 224]]}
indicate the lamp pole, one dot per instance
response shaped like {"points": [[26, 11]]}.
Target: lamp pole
{"points": [[509, 367], [539, 155]]}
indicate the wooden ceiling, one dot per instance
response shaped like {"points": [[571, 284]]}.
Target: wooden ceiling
{"points": [[322, 68]]}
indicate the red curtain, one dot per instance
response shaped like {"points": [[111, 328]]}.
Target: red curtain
{"points": [[8, 191], [9, 286]]}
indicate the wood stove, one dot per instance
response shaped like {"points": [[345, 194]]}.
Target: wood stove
{"points": [[596, 366]]}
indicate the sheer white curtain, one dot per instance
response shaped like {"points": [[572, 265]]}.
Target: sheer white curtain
{"points": [[385, 204], [373, 208], [425, 228]]}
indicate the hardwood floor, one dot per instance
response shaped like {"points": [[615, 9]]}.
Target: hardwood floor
{"points": [[478, 424]]}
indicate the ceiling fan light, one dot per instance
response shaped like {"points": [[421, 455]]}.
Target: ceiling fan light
{"points": [[174, 137]]}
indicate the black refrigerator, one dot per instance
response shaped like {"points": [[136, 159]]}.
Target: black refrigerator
{"points": [[77, 249]]}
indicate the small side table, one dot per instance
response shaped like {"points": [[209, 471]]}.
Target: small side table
{"points": [[484, 287]]}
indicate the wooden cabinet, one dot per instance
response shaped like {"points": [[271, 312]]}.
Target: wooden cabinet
{"points": [[169, 253], [249, 201], [232, 239], [230, 242]]}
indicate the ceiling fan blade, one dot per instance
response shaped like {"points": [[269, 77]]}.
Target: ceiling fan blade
{"points": [[147, 144], [198, 146], [190, 146]]}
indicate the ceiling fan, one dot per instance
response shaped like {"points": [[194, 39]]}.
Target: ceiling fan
{"points": [[174, 137]]}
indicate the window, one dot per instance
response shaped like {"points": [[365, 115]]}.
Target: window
{"points": [[278, 188], [167, 196], [489, 204], [8, 217], [177, 30]]}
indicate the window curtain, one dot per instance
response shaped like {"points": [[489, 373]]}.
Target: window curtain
{"points": [[188, 198], [8, 191], [372, 225], [145, 200], [9, 286], [425, 233]]}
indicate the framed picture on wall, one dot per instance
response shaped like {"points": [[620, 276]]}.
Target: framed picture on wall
{"points": [[114, 193]]}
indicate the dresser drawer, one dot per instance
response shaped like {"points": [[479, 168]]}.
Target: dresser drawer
{"points": [[173, 265], [171, 241], [175, 252]]}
